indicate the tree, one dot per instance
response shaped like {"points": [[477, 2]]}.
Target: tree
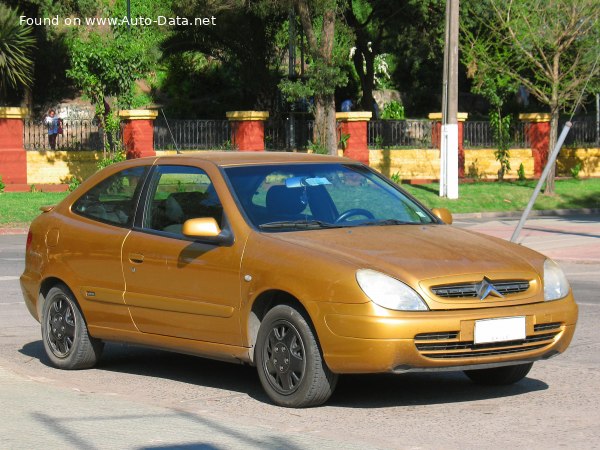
{"points": [[324, 73], [102, 66], [373, 22], [495, 87], [551, 51], [233, 65], [16, 46]]}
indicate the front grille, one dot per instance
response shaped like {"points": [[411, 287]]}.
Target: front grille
{"points": [[450, 347], [469, 290], [436, 336]]}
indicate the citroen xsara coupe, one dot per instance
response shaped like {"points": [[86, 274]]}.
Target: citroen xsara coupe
{"points": [[305, 266]]}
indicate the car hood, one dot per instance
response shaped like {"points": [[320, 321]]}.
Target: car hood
{"points": [[424, 255]]}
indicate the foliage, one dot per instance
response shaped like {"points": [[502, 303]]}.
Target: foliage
{"points": [[107, 161], [2, 185], [551, 53], [73, 183], [16, 46], [231, 66], [393, 110], [501, 130], [317, 148], [107, 66], [343, 143], [396, 178], [575, 170], [473, 171], [521, 172]]}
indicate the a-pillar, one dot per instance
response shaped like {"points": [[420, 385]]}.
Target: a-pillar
{"points": [[537, 129], [13, 159], [248, 130], [436, 137], [138, 132], [354, 125]]}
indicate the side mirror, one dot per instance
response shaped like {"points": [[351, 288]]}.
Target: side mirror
{"points": [[443, 214], [206, 229]]}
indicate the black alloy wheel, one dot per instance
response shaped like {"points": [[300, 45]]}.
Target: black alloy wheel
{"points": [[289, 361], [65, 334]]}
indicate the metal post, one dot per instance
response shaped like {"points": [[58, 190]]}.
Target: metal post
{"points": [[538, 188], [449, 131]]}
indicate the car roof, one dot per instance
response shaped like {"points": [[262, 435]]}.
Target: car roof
{"points": [[235, 158]]}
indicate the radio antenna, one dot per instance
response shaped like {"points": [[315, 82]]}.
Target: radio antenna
{"points": [[179, 152]]}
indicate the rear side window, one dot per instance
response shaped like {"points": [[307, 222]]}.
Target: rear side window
{"points": [[113, 200]]}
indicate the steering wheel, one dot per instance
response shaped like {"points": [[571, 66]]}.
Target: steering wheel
{"points": [[354, 212]]}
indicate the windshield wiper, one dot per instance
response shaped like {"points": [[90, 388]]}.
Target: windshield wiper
{"points": [[388, 222], [297, 225]]}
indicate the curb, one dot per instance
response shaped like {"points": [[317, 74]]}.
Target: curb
{"points": [[533, 213]]}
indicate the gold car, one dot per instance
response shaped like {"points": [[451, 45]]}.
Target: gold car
{"points": [[305, 266]]}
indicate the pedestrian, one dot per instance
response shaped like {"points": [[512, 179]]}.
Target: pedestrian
{"points": [[54, 127], [347, 105]]}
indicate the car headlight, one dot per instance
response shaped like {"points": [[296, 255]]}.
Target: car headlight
{"points": [[555, 283], [388, 292]]}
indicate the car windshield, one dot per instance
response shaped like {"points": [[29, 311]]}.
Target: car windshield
{"points": [[312, 196]]}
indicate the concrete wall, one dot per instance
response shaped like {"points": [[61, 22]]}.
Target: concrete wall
{"points": [[424, 164]]}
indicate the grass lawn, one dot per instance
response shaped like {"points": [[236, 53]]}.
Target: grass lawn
{"points": [[19, 208], [511, 196]]}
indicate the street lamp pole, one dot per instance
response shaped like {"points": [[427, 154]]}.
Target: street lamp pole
{"points": [[449, 132]]}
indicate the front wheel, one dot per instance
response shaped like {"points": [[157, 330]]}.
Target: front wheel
{"points": [[289, 362], [499, 375], [64, 332]]}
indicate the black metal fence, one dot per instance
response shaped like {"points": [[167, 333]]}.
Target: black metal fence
{"points": [[80, 134], [290, 133], [286, 134], [585, 131], [192, 134], [400, 133], [479, 134]]}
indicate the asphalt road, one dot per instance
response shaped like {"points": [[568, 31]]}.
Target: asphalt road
{"points": [[146, 399]]}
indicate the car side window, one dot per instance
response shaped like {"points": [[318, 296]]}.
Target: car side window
{"points": [[112, 200], [179, 193]]}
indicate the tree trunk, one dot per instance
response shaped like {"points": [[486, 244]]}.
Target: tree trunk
{"points": [[552, 142], [325, 133]]}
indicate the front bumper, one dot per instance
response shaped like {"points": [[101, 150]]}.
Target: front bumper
{"points": [[365, 338]]}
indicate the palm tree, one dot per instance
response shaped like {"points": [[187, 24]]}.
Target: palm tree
{"points": [[16, 45]]}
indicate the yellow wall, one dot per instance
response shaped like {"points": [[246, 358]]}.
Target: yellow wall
{"points": [[481, 163], [47, 167]]}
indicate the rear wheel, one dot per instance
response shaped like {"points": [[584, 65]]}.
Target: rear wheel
{"points": [[289, 362], [499, 375], [64, 332]]}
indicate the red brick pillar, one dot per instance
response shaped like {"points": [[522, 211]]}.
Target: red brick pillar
{"points": [[436, 137], [13, 159], [248, 130], [354, 124], [537, 129], [138, 132]]}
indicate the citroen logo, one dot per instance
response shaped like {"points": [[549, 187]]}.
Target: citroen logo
{"points": [[486, 288]]}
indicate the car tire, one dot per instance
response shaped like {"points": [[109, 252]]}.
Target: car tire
{"points": [[65, 334], [289, 361], [499, 375]]}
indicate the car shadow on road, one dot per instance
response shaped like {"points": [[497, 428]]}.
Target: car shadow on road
{"points": [[414, 389], [353, 391]]}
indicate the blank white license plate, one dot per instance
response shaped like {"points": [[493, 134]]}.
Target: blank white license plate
{"points": [[499, 330]]}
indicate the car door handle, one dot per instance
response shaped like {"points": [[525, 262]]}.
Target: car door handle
{"points": [[136, 258]]}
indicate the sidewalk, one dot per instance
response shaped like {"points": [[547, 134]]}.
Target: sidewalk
{"points": [[574, 238]]}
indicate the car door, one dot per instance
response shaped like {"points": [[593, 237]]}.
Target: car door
{"points": [[90, 245], [176, 286]]}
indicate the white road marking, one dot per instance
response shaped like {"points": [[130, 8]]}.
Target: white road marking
{"points": [[9, 278]]}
